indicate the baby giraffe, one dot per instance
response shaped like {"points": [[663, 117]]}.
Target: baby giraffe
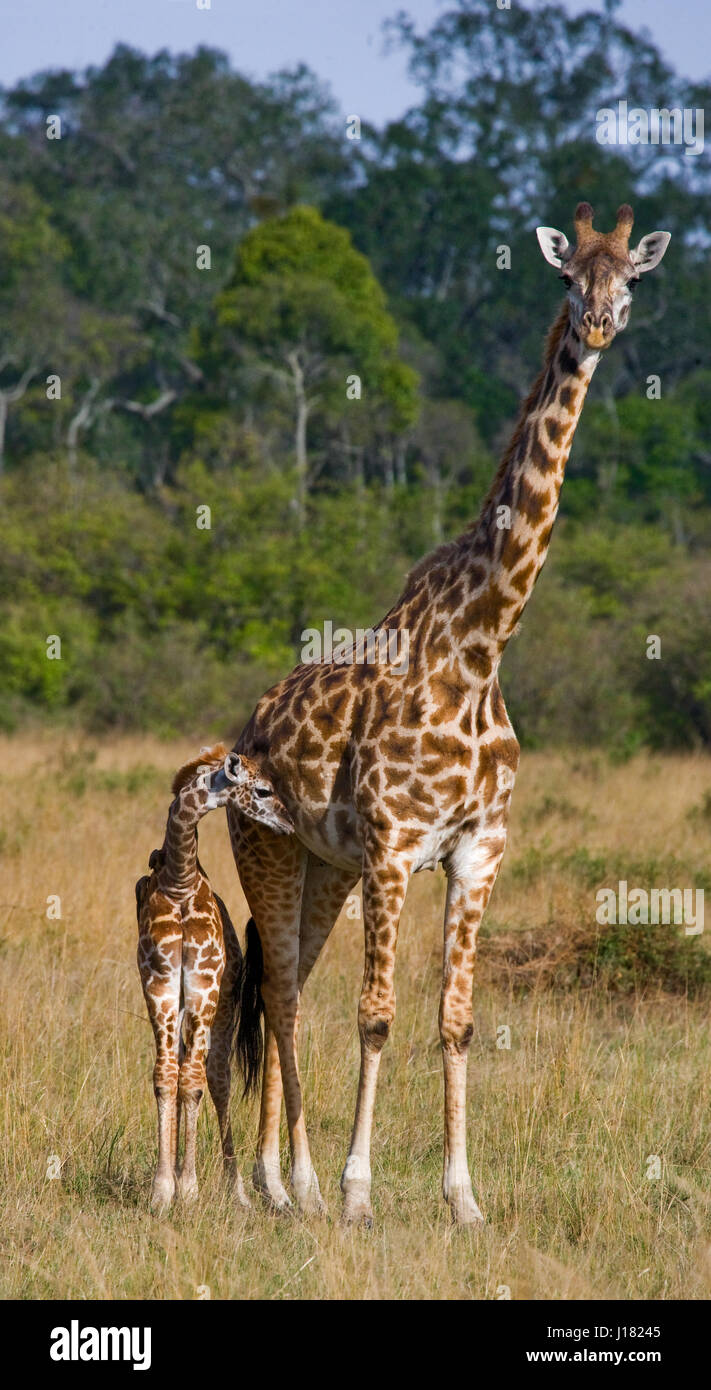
{"points": [[190, 965]]}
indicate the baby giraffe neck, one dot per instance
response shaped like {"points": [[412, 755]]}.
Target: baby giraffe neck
{"points": [[180, 866]]}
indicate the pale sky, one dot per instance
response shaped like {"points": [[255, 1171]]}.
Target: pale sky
{"points": [[339, 39]]}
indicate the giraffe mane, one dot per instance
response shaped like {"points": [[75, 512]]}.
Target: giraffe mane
{"points": [[448, 550], [211, 757], [555, 334]]}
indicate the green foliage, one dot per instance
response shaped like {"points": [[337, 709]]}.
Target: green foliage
{"points": [[579, 667], [618, 958], [304, 309], [163, 622], [226, 388], [631, 959], [33, 305]]}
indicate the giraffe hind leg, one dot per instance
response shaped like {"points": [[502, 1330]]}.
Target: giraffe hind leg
{"points": [[159, 969], [471, 876], [202, 969], [325, 891], [219, 1058]]}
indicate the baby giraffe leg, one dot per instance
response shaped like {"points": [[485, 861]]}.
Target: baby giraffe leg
{"points": [[203, 965], [159, 952], [219, 1074]]}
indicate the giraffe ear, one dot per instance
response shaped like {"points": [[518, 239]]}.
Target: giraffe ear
{"points": [[234, 768], [650, 251], [554, 245]]}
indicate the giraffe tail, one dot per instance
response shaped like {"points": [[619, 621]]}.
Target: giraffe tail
{"points": [[249, 1045]]}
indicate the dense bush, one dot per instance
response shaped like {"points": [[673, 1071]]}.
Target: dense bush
{"points": [[620, 959], [164, 625]]}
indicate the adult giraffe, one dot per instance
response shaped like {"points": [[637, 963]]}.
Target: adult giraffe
{"points": [[385, 774]]}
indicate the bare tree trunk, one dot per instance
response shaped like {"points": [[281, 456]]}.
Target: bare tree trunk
{"points": [[79, 421], [359, 467], [400, 470], [7, 398], [437, 528], [436, 486], [388, 470], [302, 416], [677, 524], [608, 476], [3, 426]]}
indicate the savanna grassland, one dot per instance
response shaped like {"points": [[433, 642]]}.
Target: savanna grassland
{"points": [[609, 1063]]}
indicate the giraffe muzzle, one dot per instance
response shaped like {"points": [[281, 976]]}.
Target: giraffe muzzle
{"points": [[598, 332], [282, 822]]}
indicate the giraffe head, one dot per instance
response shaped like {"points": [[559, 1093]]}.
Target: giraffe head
{"points": [[239, 781], [600, 271]]}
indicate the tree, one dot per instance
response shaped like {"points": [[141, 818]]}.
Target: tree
{"points": [[502, 137], [157, 156], [32, 300], [304, 310]]}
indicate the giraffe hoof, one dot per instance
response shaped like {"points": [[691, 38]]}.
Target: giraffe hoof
{"points": [[234, 1184], [357, 1210], [240, 1196], [280, 1207], [162, 1194], [354, 1216], [267, 1182], [187, 1188], [308, 1196], [464, 1210]]}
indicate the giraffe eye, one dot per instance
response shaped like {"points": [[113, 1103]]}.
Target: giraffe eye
{"points": [[567, 280], [262, 791]]}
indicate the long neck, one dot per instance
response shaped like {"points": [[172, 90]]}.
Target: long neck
{"points": [[180, 867], [501, 556]]}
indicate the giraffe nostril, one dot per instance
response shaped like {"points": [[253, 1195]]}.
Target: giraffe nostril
{"points": [[592, 321]]}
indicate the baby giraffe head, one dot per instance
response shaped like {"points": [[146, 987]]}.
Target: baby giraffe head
{"points": [[600, 271], [239, 781]]}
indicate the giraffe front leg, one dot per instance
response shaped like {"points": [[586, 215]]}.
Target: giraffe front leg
{"points": [[281, 998], [384, 887], [255, 865], [159, 968], [471, 876], [325, 891], [272, 870], [203, 965]]}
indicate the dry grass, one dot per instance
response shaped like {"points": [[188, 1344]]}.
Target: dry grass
{"points": [[561, 1125]]}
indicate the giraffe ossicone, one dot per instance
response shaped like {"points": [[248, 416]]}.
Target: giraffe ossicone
{"points": [[385, 775]]}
